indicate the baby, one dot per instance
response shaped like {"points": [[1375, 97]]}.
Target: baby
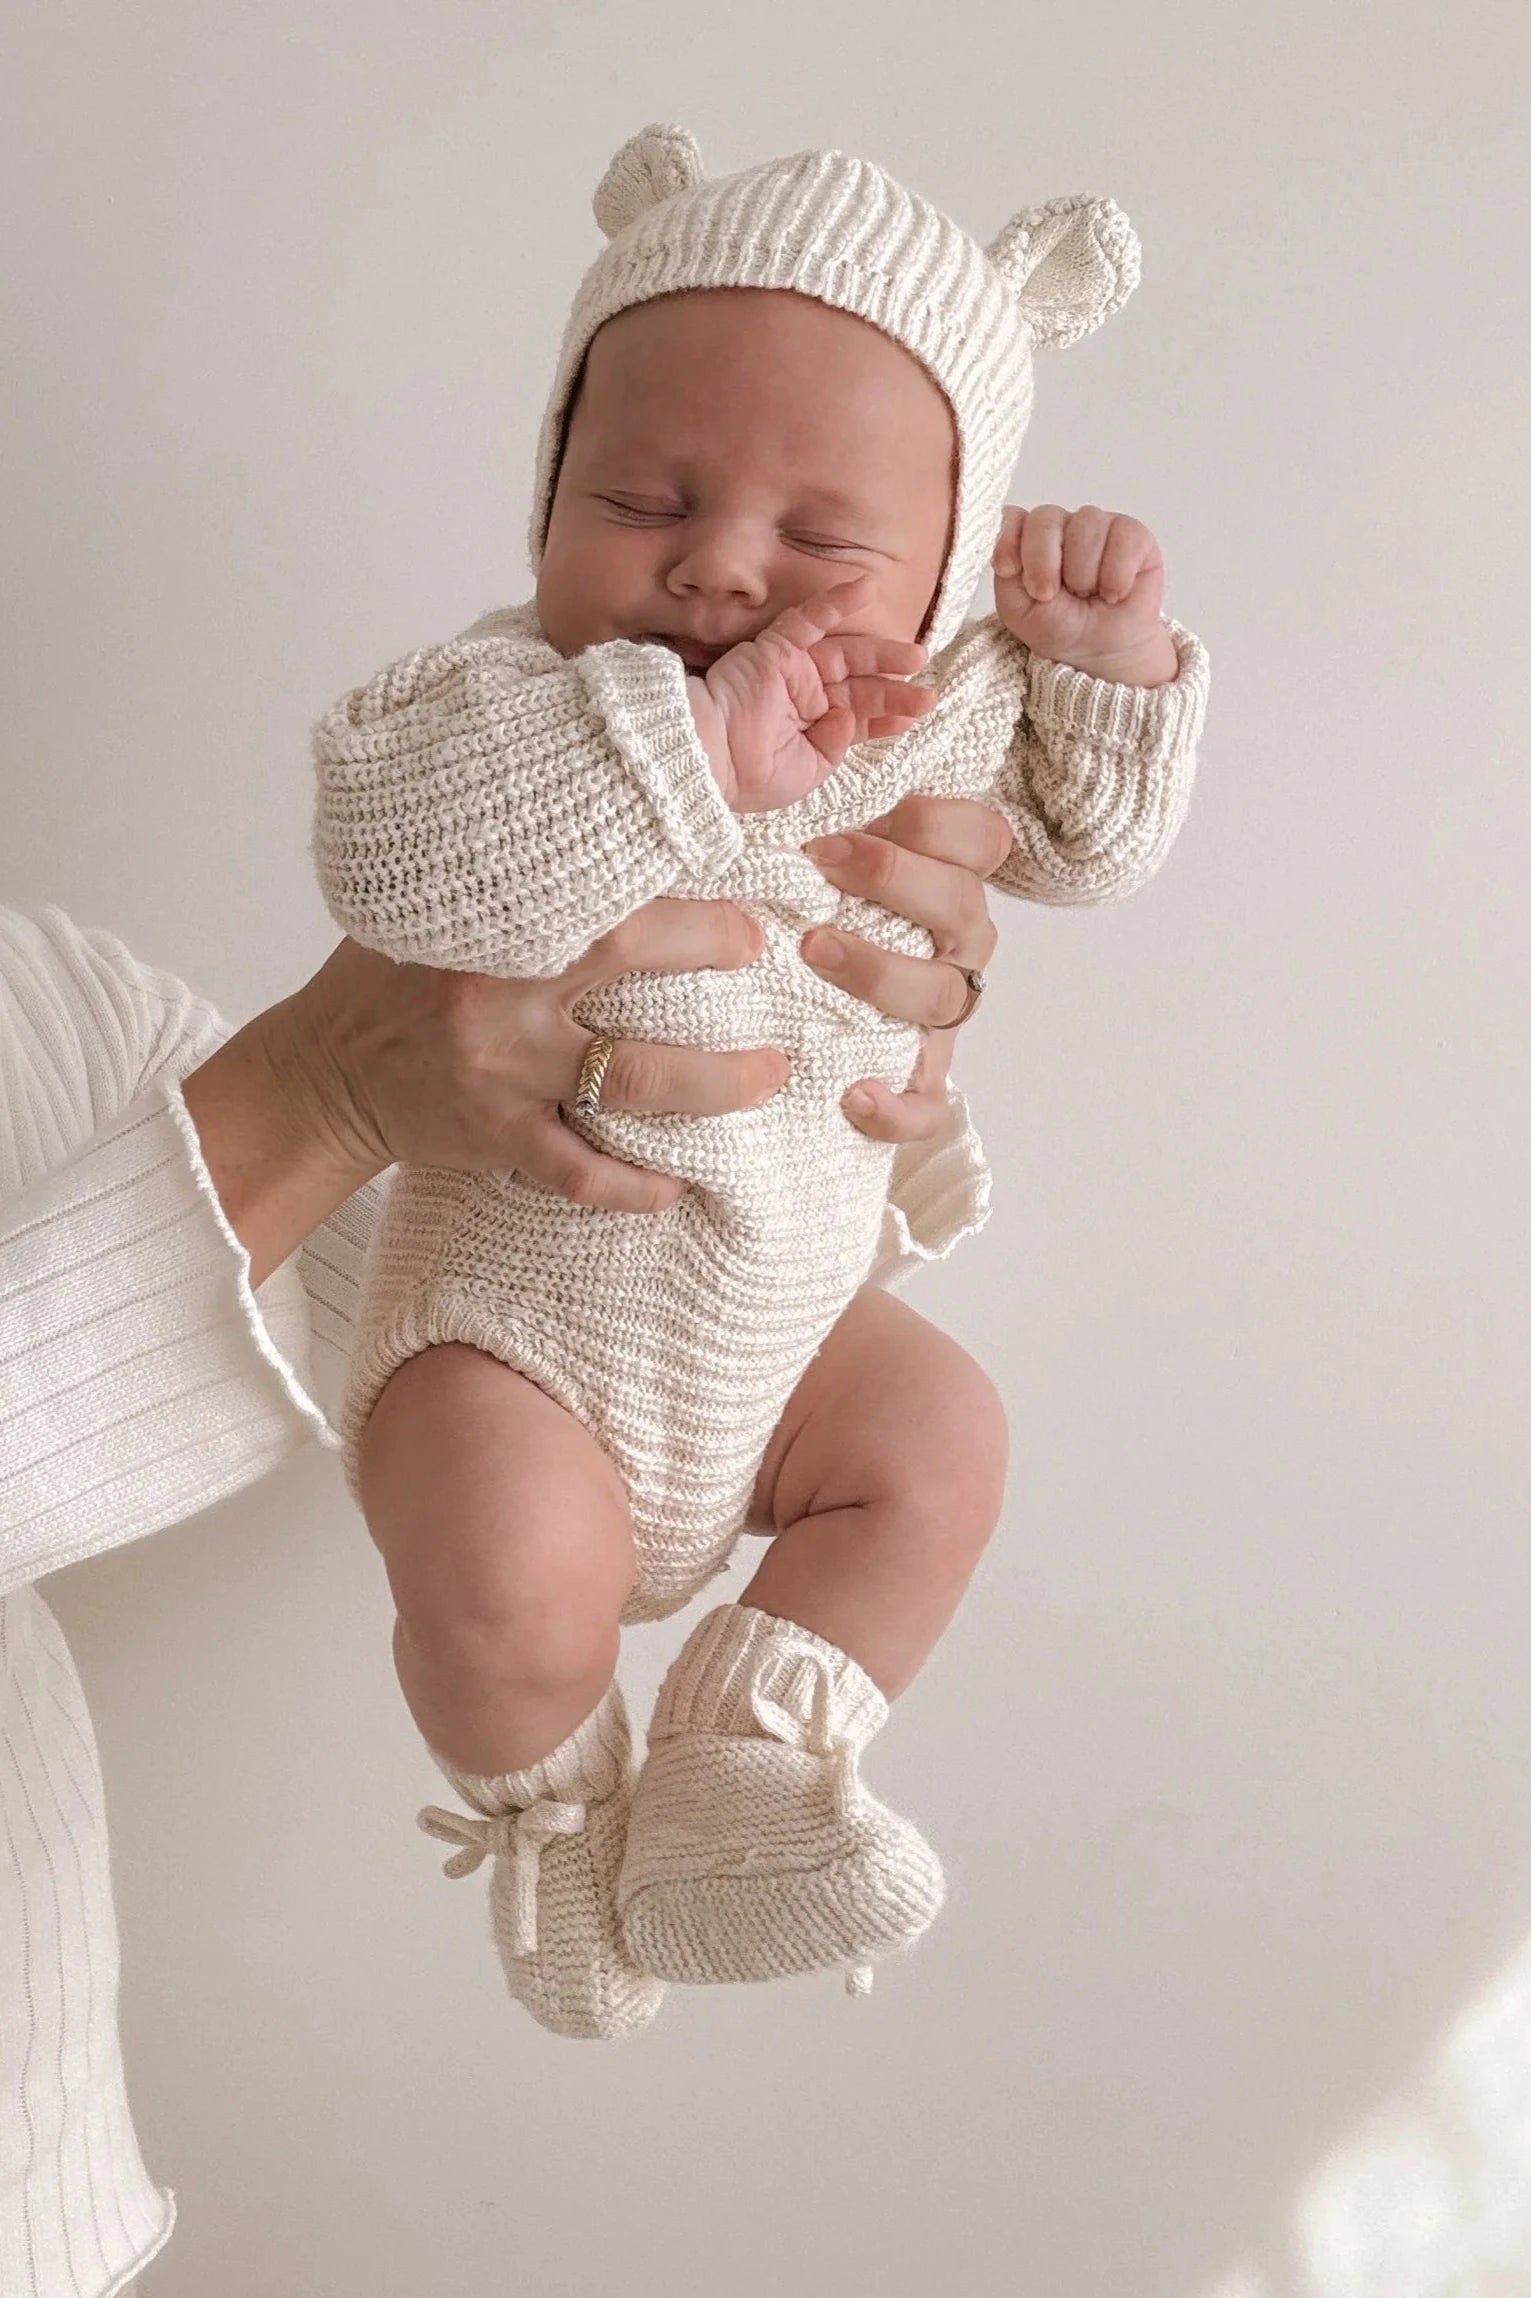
{"points": [[772, 473]]}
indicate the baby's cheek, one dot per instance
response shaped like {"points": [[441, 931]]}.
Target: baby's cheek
{"points": [[579, 596]]}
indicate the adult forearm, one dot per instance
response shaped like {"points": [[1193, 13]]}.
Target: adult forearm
{"points": [[277, 1162]]}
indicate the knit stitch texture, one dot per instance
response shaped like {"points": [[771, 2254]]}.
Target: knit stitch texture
{"points": [[754, 1851], [448, 834], [557, 1834]]}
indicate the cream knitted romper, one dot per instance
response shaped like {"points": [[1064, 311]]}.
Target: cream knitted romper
{"points": [[487, 804]]}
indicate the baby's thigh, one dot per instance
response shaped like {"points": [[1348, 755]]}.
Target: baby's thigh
{"points": [[487, 1499], [891, 1410]]}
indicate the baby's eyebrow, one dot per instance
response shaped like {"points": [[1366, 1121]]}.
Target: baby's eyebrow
{"points": [[837, 503]]}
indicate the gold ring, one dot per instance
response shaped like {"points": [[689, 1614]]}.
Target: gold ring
{"points": [[592, 1076], [976, 987]]}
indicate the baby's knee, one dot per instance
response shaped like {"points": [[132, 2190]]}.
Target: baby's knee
{"points": [[941, 1441], [513, 1643], [958, 1454]]}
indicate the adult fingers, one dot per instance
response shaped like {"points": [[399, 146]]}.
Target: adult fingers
{"points": [[668, 937], [946, 899], [929, 992], [645, 1079], [916, 1114], [557, 1159], [962, 831]]}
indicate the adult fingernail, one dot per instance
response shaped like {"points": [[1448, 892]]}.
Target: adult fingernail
{"points": [[826, 952], [829, 849]]}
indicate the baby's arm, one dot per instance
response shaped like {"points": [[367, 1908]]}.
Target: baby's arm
{"points": [[1098, 775], [489, 807]]}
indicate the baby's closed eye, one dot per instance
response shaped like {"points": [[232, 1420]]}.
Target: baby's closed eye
{"points": [[823, 546], [644, 510]]}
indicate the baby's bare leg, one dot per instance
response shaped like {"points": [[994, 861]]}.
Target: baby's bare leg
{"points": [[883, 1483], [508, 1542]]}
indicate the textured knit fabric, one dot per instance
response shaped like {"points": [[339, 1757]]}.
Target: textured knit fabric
{"points": [[677, 1337], [836, 228], [140, 1380], [556, 1835], [754, 1851]]}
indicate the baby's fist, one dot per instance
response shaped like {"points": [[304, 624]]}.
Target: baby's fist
{"points": [[1085, 587]]}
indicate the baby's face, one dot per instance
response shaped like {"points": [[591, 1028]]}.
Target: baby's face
{"points": [[730, 454]]}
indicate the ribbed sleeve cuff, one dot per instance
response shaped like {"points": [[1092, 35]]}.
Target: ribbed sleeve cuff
{"points": [[1162, 721], [639, 692], [332, 1265], [141, 1378], [939, 1195]]}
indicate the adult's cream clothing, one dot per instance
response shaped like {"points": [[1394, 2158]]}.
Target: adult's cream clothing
{"points": [[141, 1379], [488, 804]]}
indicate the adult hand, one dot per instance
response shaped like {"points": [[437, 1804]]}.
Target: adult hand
{"points": [[373, 1063], [926, 861]]}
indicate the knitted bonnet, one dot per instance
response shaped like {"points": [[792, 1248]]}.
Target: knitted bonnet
{"points": [[840, 230]]}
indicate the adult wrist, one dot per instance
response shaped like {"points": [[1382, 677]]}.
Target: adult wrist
{"points": [[279, 1157]]}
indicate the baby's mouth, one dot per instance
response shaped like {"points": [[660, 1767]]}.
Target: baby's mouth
{"points": [[694, 653]]}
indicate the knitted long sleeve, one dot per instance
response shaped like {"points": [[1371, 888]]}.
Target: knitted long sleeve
{"points": [[1106, 771], [1094, 778], [487, 806]]}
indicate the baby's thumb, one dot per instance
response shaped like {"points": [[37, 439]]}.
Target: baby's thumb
{"points": [[1007, 549]]}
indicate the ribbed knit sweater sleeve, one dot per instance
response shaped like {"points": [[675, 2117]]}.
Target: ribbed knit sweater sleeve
{"points": [[141, 1377], [488, 806], [1097, 777]]}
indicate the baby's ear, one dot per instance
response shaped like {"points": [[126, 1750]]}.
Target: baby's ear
{"points": [[1071, 263], [651, 166]]}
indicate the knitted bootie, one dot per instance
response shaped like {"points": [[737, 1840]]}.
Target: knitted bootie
{"points": [[556, 1835], [753, 1851]]}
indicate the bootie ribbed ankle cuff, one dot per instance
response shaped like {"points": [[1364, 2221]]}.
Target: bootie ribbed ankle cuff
{"points": [[749, 1674], [589, 1766]]}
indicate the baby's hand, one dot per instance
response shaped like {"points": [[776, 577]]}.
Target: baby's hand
{"points": [[1085, 587], [777, 714]]}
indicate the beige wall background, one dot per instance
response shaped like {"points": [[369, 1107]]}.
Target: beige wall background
{"points": [[1228, 1752]]}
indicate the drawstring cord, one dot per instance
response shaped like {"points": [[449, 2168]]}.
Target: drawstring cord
{"points": [[519, 1837]]}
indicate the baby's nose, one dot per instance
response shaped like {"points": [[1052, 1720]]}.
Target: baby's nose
{"points": [[719, 562]]}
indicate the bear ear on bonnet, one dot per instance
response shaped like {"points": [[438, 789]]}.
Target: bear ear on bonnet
{"points": [[1070, 264], [652, 166]]}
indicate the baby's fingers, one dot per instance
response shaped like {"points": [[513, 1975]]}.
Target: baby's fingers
{"points": [[1041, 566], [858, 656], [1007, 551], [880, 698], [833, 733], [1130, 549], [828, 610]]}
